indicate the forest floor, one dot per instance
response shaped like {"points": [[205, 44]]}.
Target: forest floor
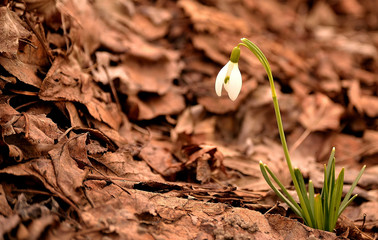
{"points": [[111, 128]]}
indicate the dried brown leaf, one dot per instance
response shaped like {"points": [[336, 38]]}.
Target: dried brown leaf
{"points": [[8, 223], [152, 106], [211, 19], [203, 171], [329, 79], [194, 122], [30, 136], [26, 73], [48, 9], [154, 73], [321, 14], [5, 209], [161, 160], [370, 139], [12, 31], [320, 113], [148, 29], [69, 177], [370, 105], [66, 82], [122, 164], [354, 94]]}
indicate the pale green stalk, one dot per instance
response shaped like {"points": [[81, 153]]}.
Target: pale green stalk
{"points": [[318, 211]]}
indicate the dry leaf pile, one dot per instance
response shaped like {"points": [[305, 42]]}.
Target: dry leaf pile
{"points": [[110, 125]]}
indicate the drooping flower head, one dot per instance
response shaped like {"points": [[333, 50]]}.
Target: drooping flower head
{"points": [[229, 76]]}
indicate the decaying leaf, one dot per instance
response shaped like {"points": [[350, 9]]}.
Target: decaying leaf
{"points": [[26, 73], [110, 126], [12, 31], [161, 160], [209, 19], [320, 113], [204, 160], [69, 177], [153, 105]]}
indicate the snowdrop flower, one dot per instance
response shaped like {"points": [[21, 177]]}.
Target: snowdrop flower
{"points": [[229, 77]]}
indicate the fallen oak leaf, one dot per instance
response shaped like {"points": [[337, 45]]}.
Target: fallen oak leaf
{"points": [[66, 82], [11, 31], [203, 170], [154, 105], [69, 177], [370, 105], [210, 19], [29, 136], [320, 113], [24, 72], [41, 169], [354, 94], [205, 159], [122, 164], [5, 208], [161, 160]]}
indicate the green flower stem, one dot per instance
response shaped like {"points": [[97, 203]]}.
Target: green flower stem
{"points": [[257, 52], [299, 189], [318, 211]]}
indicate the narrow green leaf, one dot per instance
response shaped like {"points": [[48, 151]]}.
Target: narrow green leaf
{"points": [[325, 183], [336, 199], [330, 161], [330, 196], [311, 197], [327, 187], [279, 194], [331, 183], [343, 206], [319, 212], [346, 201], [284, 190], [303, 197], [324, 196]]}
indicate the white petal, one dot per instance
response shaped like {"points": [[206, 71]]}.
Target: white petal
{"points": [[220, 79], [235, 83], [229, 70]]}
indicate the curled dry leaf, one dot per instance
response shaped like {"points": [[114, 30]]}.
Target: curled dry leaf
{"points": [[212, 20], [24, 72], [161, 160], [12, 31], [5, 209], [154, 73], [370, 105], [122, 164], [152, 106], [354, 94], [320, 113], [204, 161], [48, 9], [194, 122], [69, 177], [66, 82], [27, 135]]}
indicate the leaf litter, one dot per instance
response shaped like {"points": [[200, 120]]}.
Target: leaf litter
{"points": [[110, 126]]}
